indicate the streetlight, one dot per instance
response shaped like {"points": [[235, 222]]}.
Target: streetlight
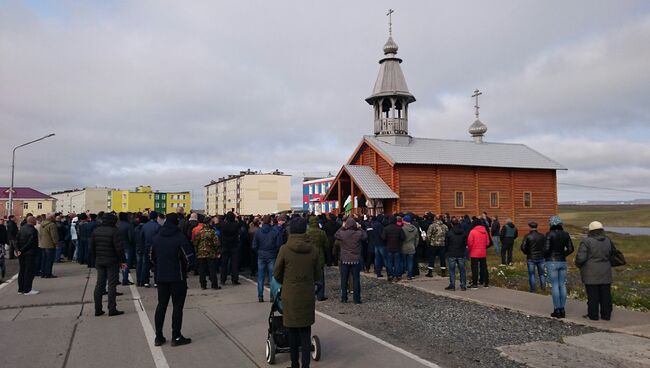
{"points": [[13, 160]]}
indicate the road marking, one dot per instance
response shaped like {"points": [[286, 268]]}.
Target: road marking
{"points": [[379, 341], [4, 284], [156, 352], [374, 338]]}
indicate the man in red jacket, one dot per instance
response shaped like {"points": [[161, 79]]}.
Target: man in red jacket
{"points": [[477, 243]]}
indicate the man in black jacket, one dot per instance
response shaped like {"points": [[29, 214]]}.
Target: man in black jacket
{"points": [[4, 239], [12, 234], [533, 247], [125, 229], [456, 241], [26, 248], [107, 249], [173, 255], [393, 236], [230, 231]]}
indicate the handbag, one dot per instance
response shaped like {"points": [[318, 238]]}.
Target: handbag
{"points": [[616, 257]]}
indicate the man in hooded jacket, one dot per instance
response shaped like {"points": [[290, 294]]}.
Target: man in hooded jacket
{"points": [[318, 239], [107, 247], [351, 235], [173, 256], [297, 269]]}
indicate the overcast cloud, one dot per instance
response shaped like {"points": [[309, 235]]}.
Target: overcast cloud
{"points": [[174, 95]]}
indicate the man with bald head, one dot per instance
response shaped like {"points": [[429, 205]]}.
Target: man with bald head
{"points": [[26, 248]]}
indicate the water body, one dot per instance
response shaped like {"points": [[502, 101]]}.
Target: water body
{"points": [[629, 230]]}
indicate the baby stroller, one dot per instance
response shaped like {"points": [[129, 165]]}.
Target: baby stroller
{"points": [[278, 336]]}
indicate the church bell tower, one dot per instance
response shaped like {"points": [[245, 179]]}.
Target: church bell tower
{"points": [[390, 97]]}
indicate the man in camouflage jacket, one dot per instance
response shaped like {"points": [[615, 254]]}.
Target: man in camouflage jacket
{"points": [[208, 251], [436, 241]]}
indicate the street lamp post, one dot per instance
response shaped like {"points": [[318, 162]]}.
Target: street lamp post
{"points": [[13, 162]]}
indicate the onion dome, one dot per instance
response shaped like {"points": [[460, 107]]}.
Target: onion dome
{"points": [[477, 130], [390, 47]]}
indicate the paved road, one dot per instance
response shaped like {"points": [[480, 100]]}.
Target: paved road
{"points": [[57, 328]]}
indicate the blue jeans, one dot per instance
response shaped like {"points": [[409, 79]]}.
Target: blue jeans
{"points": [[81, 251], [452, 262], [47, 260], [356, 281], [557, 273], [497, 244], [380, 259], [264, 268], [539, 265], [59, 250], [125, 272], [407, 261], [394, 264], [142, 269]]}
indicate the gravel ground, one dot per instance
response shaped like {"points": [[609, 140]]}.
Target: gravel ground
{"points": [[449, 332]]}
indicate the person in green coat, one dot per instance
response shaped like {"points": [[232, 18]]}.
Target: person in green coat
{"points": [[318, 238], [297, 268]]}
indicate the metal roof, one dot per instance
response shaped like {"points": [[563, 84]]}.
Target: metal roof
{"points": [[23, 193], [426, 151], [369, 182], [390, 80]]}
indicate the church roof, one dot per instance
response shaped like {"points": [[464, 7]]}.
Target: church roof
{"points": [[427, 151], [390, 80], [369, 182]]}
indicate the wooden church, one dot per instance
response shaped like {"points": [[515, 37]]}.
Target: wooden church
{"points": [[391, 172]]}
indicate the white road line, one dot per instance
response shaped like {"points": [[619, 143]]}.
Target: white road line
{"points": [[379, 341], [4, 284], [374, 338], [156, 352]]}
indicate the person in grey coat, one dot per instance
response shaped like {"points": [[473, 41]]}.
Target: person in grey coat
{"points": [[593, 260]]}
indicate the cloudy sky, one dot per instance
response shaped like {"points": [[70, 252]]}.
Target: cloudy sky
{"points": [[174, 94]]}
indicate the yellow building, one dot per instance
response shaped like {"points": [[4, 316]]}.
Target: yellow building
{"points": [[178, 199], [249, 193], [144, 199]]}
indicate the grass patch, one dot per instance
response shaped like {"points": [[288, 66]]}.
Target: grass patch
{"points": [[631, 287], [618, 216]]}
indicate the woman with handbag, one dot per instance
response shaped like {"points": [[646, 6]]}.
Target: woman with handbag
{"points": [[594, 259]]}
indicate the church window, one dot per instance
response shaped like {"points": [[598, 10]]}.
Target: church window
{"points": [[25, 206], [39, 205], [460, 199], [494, 199], [528, 199]]}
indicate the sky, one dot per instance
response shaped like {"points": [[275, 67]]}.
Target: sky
{"points": [[174, 94]]}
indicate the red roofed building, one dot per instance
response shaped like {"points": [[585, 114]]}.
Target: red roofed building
{"points": [[26, 200]]}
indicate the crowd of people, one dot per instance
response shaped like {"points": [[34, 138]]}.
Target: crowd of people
{"points": [[217, 248]]}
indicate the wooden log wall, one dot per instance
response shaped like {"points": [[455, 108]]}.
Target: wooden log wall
{"points": [[432, 188]]}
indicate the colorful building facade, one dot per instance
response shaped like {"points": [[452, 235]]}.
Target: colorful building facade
{"points": [[313, 191], [144, 199]]}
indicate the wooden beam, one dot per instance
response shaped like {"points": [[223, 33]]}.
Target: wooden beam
{"points": [[439, 191], [512, 195], [352, 194], [339, 205], [476, 190]]}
